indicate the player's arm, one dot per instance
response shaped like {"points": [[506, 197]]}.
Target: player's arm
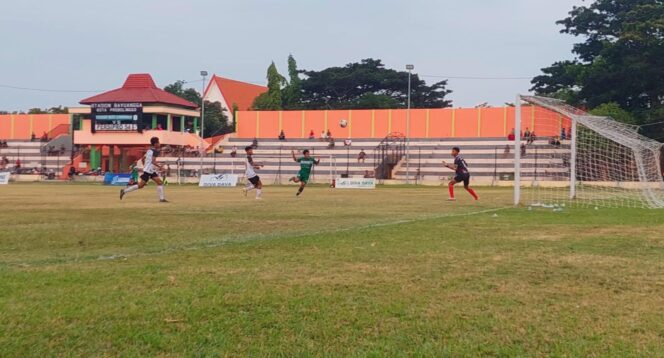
{"points": [[156, 163], [293, 154], [317, 161], [450, 166], [254, 165]]}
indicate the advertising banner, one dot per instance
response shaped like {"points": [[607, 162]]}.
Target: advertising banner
{"points": [[355, 183], [215, 180], [116, 179], [4, 178]]}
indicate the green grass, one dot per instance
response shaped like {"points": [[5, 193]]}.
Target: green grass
{"points": [[391, 272]]}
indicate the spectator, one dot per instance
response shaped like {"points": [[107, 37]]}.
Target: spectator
{"points": [[532, 137], [328, 135], [523, 150], [506, 152], [282, 135], [33, 137], [4, 162], [44, 137], [322, 135], [361, 156], [511, 136], [168, 170], [254, 143], [159, 128], [554, 141], [527, 134], [72, 173], [330, 144], [312, 136], [368, 174], [563, 134], [234, 152], [17, 165]]}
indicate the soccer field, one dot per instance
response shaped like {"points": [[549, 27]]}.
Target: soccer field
{"points": [[393, 271]]}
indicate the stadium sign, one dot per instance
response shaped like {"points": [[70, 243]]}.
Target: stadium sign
{"points": [[116, 179], [116, 117], [217, 180], [352, 183], [4, 178]]}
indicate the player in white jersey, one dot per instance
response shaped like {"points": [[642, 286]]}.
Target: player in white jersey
{"points": [[254, 181], [150, 171]]}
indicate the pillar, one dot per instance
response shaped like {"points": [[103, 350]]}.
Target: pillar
{"points": [[182, 121], [94, 157], [111, 156], [196, 125], [169, 122], [154, 121]]}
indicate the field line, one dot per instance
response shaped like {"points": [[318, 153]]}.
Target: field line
{"points": [[243, 239]]}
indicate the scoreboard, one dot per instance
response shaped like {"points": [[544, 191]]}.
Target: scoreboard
{"points": [[116, 117]]}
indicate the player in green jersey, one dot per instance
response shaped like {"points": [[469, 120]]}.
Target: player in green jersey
{"points": [[134, 175], [307, 163]]}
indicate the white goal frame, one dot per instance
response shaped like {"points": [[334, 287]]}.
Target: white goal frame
{"points": [[644, 167]]}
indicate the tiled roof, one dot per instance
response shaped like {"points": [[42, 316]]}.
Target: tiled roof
{"points": [[139, 88]]}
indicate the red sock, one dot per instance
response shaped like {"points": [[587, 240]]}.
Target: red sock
{"points": [[472, 192], [451, 187]]}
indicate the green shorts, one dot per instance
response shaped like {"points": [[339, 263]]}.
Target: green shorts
{"points": [[303, 176]]}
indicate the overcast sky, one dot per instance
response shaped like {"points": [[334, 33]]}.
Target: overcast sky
{"points": [[87, 45]]}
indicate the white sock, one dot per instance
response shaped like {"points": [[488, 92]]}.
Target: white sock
{"points": [[160, 190], [259, 192], [130, 189]]}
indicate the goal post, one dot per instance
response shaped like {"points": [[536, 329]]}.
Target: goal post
{"points": [[567, 156]]}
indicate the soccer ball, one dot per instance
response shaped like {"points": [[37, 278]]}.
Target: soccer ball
{"points": [[343, 123]]}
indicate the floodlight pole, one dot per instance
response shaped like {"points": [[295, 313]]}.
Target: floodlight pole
{"points": [[517, 151], [572, 163], [202, 131], [409, 68]]}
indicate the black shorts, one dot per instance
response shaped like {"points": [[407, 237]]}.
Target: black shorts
{"points": [[465, 178], [254, 180], [147, 176]]}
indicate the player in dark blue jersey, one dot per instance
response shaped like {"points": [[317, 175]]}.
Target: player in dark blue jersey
{"points": [[461, 174]]}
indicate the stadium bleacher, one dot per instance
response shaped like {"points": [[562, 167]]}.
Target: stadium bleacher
{"points": [[46, 157], [486, 157]]}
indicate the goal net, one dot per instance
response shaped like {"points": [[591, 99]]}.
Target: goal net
{"points": [[567, 156]]}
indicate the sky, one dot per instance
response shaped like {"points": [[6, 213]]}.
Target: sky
{"points": [[78, 47]]}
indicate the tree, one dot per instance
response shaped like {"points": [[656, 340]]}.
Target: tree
{"points": [[58, 110], [368, 84], [614, 111], [36, 111], [190, 94], [272, 99], [292, 92], [620, 61], [216, 119]]}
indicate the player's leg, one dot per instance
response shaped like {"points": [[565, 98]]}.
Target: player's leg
{"points": [[450, 187], [303, 183], [248, 187], [259, 188], [160, 188], [141, 183], [466, 185]]}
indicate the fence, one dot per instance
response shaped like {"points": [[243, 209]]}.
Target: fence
{"points": [[378, 123]]}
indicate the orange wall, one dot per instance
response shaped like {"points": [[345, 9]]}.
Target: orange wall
{"points": [[21, 126], [424, 123]]}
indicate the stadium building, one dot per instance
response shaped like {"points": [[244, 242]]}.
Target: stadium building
{"points": [[115, 126]]}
